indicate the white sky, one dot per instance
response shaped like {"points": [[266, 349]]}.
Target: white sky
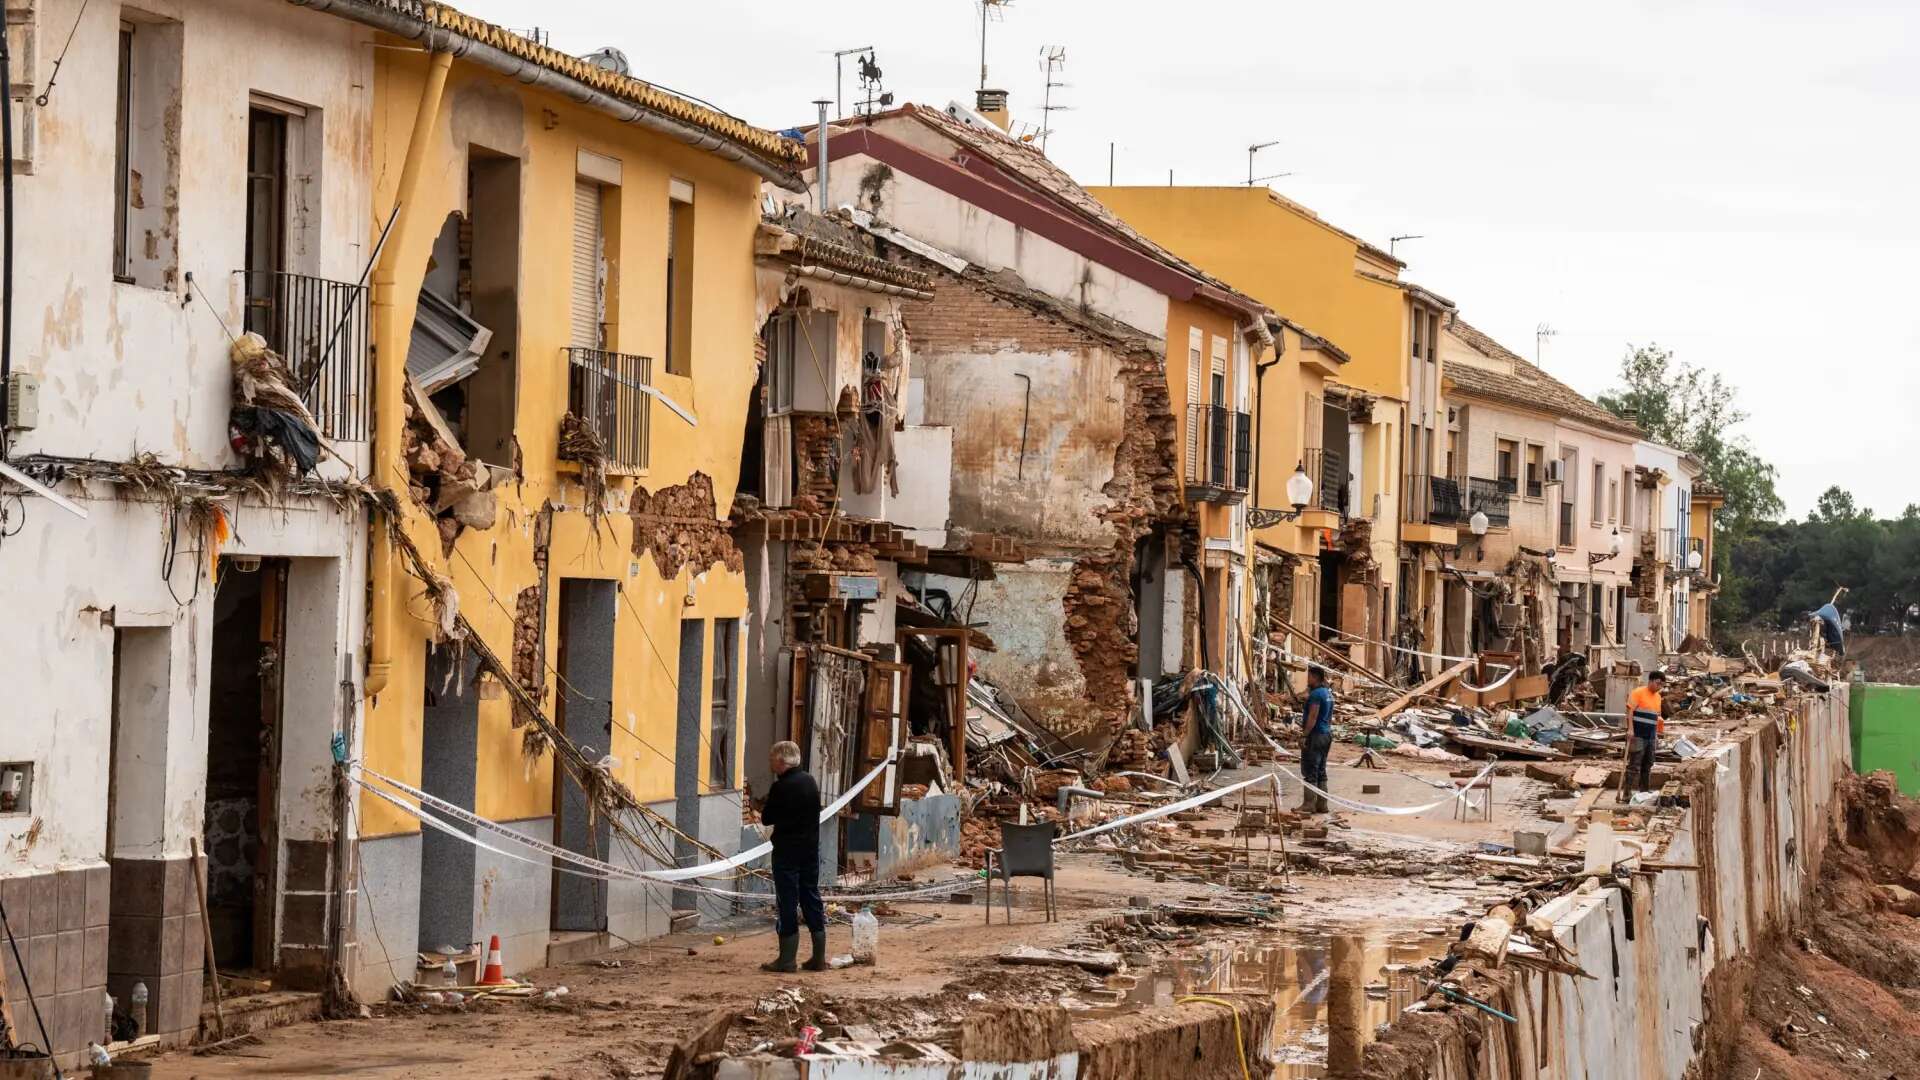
{"points": [[1735, 181]]}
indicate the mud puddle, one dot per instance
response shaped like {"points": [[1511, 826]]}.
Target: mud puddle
{"points": [[1331, 993]]}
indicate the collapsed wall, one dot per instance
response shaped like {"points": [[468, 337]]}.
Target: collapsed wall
{"points": [[1663, 967]]}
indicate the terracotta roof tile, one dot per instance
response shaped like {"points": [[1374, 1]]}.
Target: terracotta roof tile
{"points": [[1528, 385]]}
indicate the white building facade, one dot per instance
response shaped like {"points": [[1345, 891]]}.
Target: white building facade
{"points": [[186, 652]]}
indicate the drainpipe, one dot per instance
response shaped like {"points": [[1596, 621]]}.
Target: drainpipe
{"points": [[390, 352], [820, 173]]}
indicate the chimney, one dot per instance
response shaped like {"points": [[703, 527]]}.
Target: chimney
{"points": [[992, 104]]}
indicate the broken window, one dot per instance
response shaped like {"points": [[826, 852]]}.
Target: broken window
{"points": [[147, 151], [679, 313], [463, 355], [721, 773]]}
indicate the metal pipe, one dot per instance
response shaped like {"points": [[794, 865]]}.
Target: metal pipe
{"points": [[1065, 796], [389, 375], [820, 170], [437, 39], [1026, 410]]}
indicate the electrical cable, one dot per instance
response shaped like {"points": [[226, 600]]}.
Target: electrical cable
{"points": [[53, 77]]}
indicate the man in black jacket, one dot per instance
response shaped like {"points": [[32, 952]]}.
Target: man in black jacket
{"points": [[792, 811]]}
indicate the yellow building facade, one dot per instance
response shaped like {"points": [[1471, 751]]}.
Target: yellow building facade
{"points": [[571, 288], [1356, 425]]}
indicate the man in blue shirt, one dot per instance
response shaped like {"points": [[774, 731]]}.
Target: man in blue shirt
{"points": [[1316, 720]]}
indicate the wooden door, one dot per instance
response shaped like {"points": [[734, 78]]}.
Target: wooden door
{"points": [[883, 733]]}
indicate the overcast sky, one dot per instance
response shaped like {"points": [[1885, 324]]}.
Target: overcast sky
{"points": [[1735, 181]]}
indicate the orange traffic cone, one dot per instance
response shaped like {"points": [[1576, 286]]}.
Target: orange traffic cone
{"points": [[493, 975]]}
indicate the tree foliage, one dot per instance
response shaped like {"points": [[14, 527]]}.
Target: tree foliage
{"points": [[1786, 570]]}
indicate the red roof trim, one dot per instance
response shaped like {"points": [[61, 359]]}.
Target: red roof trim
{"points": [[1042, 219]]}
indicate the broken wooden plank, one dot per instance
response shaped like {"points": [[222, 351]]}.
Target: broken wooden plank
{"points": [[709, 1037], [1588, 776], [1100, 963], [1424, 688]]}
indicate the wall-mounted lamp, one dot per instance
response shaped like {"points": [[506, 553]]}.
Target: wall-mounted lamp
{"points": [[1299, 493], [1613, 548], [1477, 527]]}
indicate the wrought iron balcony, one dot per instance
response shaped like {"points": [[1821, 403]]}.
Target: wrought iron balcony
{"points": [[1329, 480], [610, 393], [1220, 453], [1433, 500], [1493, 498], [320, 328]]}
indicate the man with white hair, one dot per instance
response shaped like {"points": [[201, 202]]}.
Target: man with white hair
{"points": [[792, 811]]}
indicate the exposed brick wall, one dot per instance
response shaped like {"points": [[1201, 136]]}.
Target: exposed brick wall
{"points": [[816, 460]]}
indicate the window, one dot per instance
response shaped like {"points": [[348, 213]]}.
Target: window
{"points": [[1599, 491], [1219, 371], [1419, 333], [1453, 454], [1626, 498], [720, 764], [1509, 461], [1596, 614], [1613, 500], [146, 181], [680, 226], [266, 216], [1535, 468], [1433, 335], [1196, 362], [589, 264]]}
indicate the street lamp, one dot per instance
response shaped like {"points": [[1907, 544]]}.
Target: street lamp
{"points": [[1613, 548], [1299, 493], [1693, 561], [1476, 525]]}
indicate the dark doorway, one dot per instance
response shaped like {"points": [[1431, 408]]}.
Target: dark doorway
{"points": [[586, 716], [689, 718], [1330, 584], [449, 739], [243, 759]]}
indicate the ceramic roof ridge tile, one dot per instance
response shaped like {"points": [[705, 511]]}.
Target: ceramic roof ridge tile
{"points": [[770, 145]]}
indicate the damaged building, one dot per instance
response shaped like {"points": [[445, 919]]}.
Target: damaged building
{"points": [[1099, 389], [184, 534], [842, 501]]}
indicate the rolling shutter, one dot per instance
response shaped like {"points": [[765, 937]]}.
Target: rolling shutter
{"points": [[589, 308]]}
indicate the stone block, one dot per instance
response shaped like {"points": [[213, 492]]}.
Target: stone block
{"points": [[72, 885], [44, 966], [99, 891], [95, 955], [16, 895], [304, 919], [70, 961], [43, 903], [133, 945], [179, 1005], [173, 943], [137, 887], [306, 865]]}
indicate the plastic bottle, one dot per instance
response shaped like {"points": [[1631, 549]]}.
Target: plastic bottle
{"points": [[108, 1036], [450, 974], [866, 937], [139, 1008]]}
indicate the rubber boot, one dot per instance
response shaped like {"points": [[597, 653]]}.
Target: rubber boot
{"points": [[1319, 804], [818, 961], [789, 948]]}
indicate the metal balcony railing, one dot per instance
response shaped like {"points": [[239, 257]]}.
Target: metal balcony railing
{"points": [[1222, 458], [1670, 547], [1433, 500], [320, 328], [608, 392], [1566, 524], [1493, 498]]}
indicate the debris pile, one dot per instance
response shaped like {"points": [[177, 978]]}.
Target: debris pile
{"points": [[454, 488]]}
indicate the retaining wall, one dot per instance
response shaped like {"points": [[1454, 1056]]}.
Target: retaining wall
{"points": [[1664, 963]]}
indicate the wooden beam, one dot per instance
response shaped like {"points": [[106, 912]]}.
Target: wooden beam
{"points": [[1424, 688]]}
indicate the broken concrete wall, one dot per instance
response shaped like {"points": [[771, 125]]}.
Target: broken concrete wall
{"points": [[1747, 851]]}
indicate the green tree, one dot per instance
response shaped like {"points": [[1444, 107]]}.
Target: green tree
{"points": [[1693, 410]]}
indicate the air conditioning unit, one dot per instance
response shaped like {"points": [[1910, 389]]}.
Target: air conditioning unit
{"points": [[1556, 471]]}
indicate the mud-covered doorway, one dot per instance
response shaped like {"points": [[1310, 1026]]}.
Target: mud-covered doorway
{"points": [[587, 611], [244, 704]]}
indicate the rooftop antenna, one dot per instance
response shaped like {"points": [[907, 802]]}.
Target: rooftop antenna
{"points": [[838, 56], [1255, 149], [1054, 58], [989, 9], [1540, 334], [1393, 242]]}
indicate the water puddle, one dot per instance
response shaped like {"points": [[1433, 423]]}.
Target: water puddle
{"points": [[1331, 993]]}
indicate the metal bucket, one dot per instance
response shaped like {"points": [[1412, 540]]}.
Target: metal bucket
{"points": [[26, 1068]]}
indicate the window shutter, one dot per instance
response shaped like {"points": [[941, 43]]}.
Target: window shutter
{"points": [[589, 307], [1196, 357]]}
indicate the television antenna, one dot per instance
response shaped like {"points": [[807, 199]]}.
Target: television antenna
{"points": [[1540, 334], [1393, 242], [1054, 60], [1255, 149], [994, 10], [840, 55]]}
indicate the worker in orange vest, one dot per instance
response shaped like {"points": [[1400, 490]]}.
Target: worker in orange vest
{"points": [[1644, 716]]}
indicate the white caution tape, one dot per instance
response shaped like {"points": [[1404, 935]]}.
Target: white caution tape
{"points": [[1162, 811], [1494, 685], [683, 873], [1397, 811]]}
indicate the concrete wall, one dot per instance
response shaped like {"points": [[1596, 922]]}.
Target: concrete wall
{"points": [[1024, 608], [1757, 830]]}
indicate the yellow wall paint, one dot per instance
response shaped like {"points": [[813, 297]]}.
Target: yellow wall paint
{"points": [[490, 567]]}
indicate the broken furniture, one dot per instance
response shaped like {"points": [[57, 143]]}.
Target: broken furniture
{"points": [[1024, 851]]}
